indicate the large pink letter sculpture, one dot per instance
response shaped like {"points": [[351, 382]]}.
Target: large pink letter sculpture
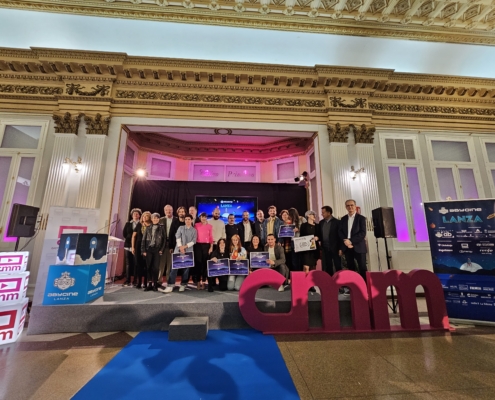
{"points": [[364, 301]]}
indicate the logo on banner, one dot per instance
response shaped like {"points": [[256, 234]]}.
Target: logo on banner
{"points": [[96, 278], [7, 323], [9, 289], [443, 210], [65, 281]]}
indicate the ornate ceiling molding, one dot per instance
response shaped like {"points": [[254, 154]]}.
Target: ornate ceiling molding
{"points": [[211, 98], [462, 21], [309, 95], [186, 149], [430, 109]]}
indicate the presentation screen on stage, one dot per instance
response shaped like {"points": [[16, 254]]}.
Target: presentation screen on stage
{"points": [[228, 205]]}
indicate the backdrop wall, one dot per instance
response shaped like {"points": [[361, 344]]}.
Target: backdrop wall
{"points": [[154, 195]]}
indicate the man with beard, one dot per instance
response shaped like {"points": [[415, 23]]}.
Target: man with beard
{"points": [[194, 213], [272, 224], [231, 228], [258, 225], [246, 229], [166, 258], [218, 226]]}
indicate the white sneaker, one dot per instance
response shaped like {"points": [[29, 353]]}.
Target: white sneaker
{"points": [[281, 288], [182, 288], [168, 289]]}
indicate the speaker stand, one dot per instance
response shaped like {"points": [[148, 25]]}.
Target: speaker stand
{"points": [[393, 307]]}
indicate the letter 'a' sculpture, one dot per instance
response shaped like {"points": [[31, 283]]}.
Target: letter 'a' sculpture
{"points": [[368, 303]]}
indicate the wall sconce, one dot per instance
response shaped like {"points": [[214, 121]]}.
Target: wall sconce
{"points": [[76, 164], [141, 173], [356, 172]]}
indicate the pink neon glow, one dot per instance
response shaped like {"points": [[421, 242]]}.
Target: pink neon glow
{"points": [[399, 206]]}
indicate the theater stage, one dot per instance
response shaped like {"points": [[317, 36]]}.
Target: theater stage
{"points": [[130, 309]]}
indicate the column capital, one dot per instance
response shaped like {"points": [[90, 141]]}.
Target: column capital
{"points": [[364, 134], [98, 125], [67, 123], [338, 133]]}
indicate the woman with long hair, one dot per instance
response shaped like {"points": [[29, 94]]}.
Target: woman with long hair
{"points": [[310, 257], [220, 252], [152, 247], [297, 221], [202, 250], [237, 252], [137, 237]]}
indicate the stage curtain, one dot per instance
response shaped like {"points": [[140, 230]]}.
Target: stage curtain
{"points": [[154, 195]]}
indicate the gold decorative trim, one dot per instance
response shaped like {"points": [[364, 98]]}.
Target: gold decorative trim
{"points": [[338, 133], [67, 123], [338, 102], [214, 98], [363, 134], [431, 109], [43, 90], [75, 88], [97, 125]]}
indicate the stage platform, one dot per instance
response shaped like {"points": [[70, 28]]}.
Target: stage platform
{"points": [[130, 309]]}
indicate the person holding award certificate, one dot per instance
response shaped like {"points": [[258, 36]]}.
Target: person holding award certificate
{"points": [[310, 228], [220, 252], [237, 252], [277, 259], [186, 238]]}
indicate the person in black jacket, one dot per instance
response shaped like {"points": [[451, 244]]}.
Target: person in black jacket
{"points": [[258, 225], [246, 229], [352, 232], [331, 245], [152, 247], [179, 221], [137, 238], [127, 233], [231, 228]]}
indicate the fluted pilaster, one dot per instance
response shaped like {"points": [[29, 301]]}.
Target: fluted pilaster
{"points": [[368, 180], [339, 160], [92, 164], [55, 192], [57, 175]]}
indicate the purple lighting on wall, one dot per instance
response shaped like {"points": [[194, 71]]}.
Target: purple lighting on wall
{"points": [[417, 209], [399, 206]]}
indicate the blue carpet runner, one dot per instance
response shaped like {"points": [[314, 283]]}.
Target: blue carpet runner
{"points": [[228, 365]]}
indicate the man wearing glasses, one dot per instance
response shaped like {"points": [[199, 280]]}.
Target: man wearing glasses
{"points": [[352, 231]]}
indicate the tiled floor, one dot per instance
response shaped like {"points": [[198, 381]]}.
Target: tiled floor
{"points": [[456, 365]]}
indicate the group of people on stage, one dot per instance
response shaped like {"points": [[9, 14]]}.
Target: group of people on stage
{"points": [[151, 239]]}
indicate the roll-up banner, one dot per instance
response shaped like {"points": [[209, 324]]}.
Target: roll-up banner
{"points": [[462, 241]]}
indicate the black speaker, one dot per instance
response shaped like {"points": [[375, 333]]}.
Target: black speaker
{"points": [[384, 222], [22, 221]]}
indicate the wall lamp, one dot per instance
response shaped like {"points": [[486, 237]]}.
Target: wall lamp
{"points": [[76, 164], [356, 172]]}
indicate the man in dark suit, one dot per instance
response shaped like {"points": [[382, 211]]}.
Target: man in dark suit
{"points": [[231, 229], [258, 225], [331, 244], [352, 232], [168, 220], [246, 229]]}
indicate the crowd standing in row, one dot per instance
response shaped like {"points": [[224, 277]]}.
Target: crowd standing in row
{"points": [[150, 241]]}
